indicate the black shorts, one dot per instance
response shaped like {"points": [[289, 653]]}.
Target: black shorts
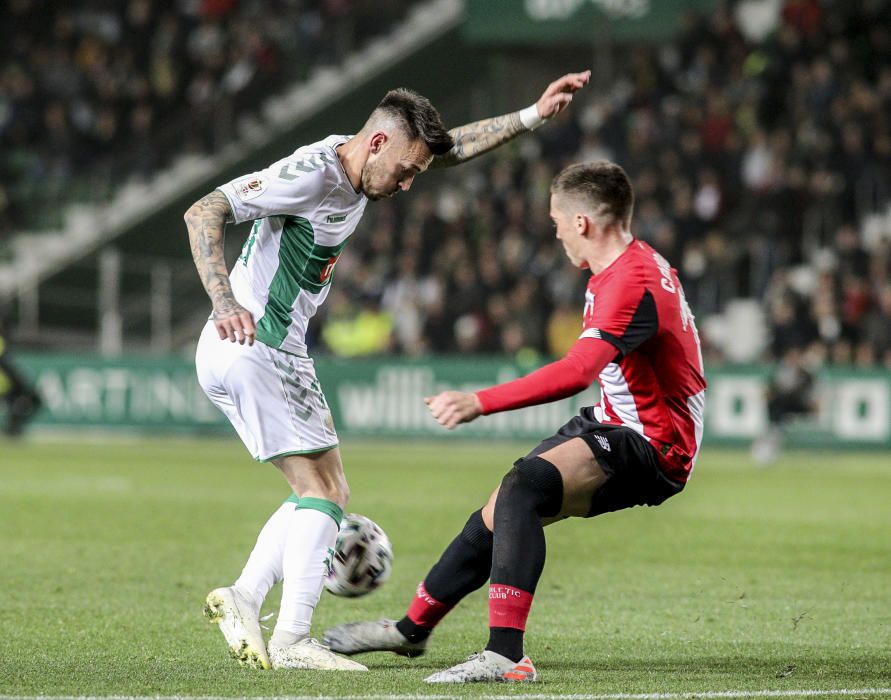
{"points": [[630, 462]]}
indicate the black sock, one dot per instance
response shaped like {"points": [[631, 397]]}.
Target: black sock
{"points": [[506, 641], [463, 567], [533, 489], [411, 631]]}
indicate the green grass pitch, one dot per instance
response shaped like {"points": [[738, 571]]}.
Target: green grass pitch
{"points": [[753, 579]]}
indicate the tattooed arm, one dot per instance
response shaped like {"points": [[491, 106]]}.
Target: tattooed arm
{"points": [[206, 221], [480, 137]]}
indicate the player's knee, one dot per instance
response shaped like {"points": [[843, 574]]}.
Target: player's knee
{"points": [[539, 481]]}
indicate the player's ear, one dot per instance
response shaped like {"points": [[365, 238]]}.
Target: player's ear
{"points": [[582, 224], [377, 142]]}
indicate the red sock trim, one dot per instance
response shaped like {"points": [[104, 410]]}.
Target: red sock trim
{"points": [[508, 606], [425, 610]]}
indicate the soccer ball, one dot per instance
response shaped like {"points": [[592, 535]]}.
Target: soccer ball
{"points": [[362, 560]]}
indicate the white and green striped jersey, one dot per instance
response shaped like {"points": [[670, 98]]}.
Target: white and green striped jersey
{"points": [[304, 209]]}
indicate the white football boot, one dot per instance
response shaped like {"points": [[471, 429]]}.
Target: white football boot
{"points": [[240, 624], [311, 655], [373, 635], [487, 667]]}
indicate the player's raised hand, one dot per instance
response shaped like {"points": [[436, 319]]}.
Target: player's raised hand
{"points": [[234, 322], [451, 408], [558, 94]]}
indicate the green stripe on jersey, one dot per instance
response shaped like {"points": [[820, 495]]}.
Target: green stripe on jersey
{"points": [[302, 264]]}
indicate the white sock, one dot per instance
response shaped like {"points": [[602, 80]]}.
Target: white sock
{"points": [[311, 539], [264, 567]]}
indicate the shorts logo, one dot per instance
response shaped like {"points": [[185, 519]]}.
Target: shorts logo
{"points": [[335, 218], [250, 188], [603, 442]]}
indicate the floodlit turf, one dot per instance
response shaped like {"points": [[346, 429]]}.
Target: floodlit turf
{"points": [[753, 579]]}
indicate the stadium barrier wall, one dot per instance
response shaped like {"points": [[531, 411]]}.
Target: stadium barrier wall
{"points": [[384, 398]]}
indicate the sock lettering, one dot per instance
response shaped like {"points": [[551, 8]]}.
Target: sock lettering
{"points": [[508, 606], [425, 610]]}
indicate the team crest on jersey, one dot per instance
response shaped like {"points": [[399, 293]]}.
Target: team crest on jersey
{"points": [[250, 188]]}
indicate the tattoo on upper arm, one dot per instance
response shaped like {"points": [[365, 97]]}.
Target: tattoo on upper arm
{"points": [[480, 137], [206, 221]]}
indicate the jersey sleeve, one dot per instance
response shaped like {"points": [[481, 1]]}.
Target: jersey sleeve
{"points": [[623, 314], [566, 377], [281, 189]]}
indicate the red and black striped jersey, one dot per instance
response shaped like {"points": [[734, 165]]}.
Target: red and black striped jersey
{"points": [[655, 384]]}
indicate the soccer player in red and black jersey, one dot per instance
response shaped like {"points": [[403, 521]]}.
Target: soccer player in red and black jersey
{"points": [[636, 447]]}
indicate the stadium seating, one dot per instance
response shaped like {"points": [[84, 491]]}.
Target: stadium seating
{"points": [[758, 146], [96, 94], [754, 157]]}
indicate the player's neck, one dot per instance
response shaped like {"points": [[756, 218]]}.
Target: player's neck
{"points": [[352, 158], [608, 251]]}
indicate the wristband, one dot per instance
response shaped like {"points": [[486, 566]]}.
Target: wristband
{"points": [[530, 117]]}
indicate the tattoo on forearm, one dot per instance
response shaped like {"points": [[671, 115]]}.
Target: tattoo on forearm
{"points": [[480, 137], [206, 221]]}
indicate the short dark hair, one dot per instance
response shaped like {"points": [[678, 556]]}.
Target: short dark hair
{"points": [[418, 118], [602, 184]]}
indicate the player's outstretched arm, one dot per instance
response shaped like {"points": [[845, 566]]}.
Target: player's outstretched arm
{"points": [[557, 380], [476, 138], [206, 222]]}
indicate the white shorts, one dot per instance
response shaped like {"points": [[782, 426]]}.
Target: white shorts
{"points": [[271, 397]]}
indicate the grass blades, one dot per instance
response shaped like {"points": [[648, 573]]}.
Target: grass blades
{"points": [[753, 579]]}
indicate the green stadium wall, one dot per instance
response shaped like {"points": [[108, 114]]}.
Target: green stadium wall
{"points": [[383, 398]]}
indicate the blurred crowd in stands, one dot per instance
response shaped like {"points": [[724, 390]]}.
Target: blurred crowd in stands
{"points": [[757, 166], [97, 91], [762, 166]]}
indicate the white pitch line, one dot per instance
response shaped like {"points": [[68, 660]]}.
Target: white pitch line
{"points": [[703, 695]]}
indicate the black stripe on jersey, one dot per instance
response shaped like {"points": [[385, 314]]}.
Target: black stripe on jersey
{"points": [[642, 327]]}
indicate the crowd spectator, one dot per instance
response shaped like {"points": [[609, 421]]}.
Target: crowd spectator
{"points": [[757, 162], [751, 159], [97, 91]]}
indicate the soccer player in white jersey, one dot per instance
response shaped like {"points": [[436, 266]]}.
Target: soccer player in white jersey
{"points": [[304, 208]]}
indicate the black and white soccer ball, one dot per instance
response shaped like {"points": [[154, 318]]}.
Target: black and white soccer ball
{"points": [[362, 560]]}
